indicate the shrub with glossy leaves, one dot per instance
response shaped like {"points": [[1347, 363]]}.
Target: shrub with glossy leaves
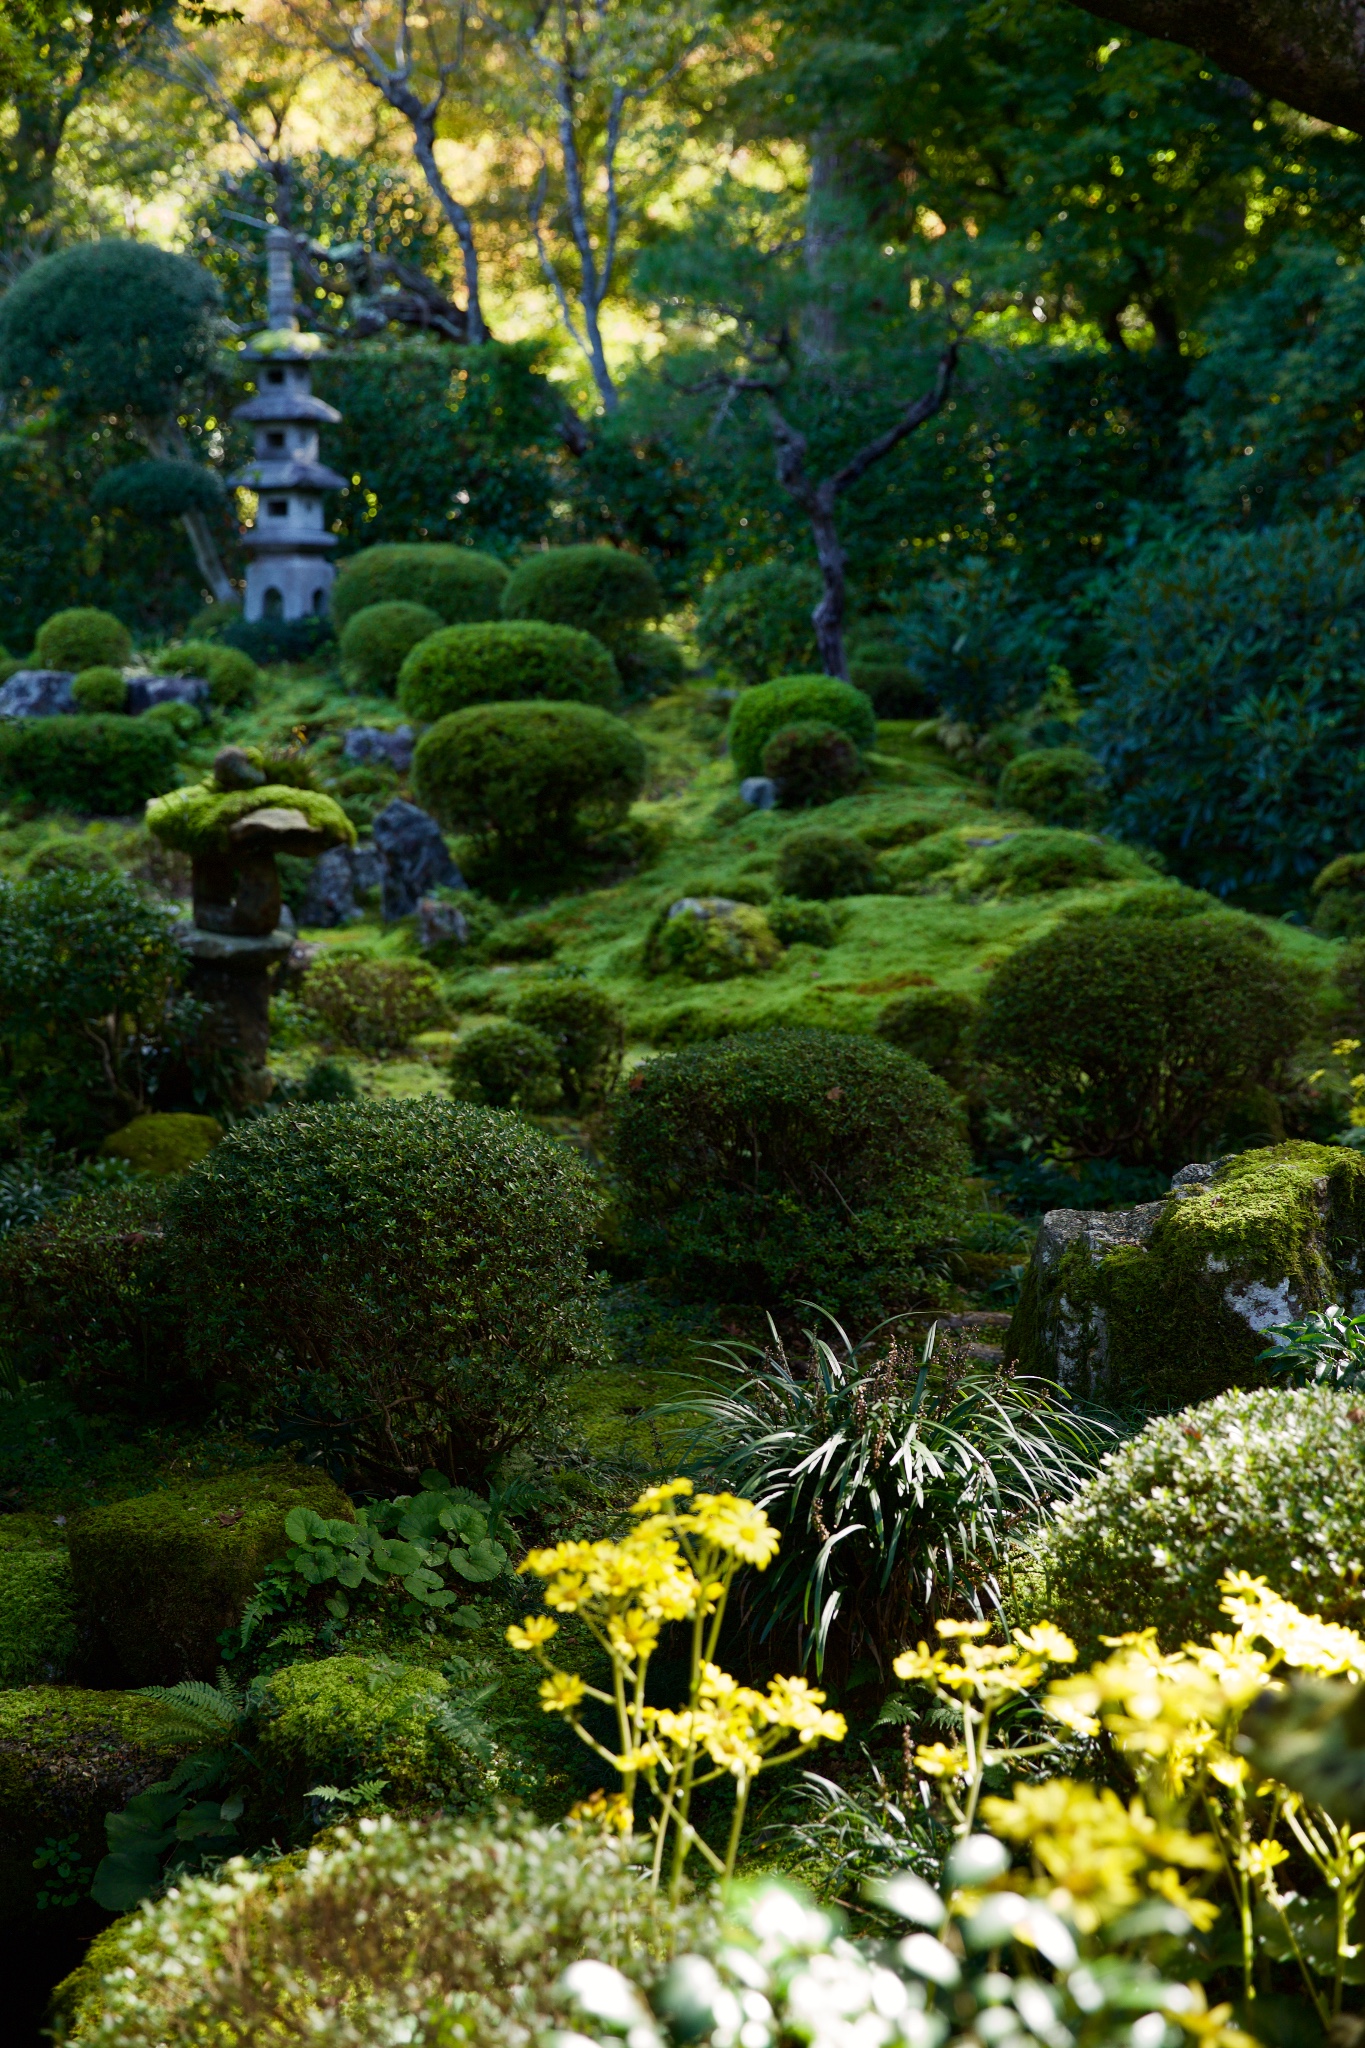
{"points": [[415, 1272], [812, 763], [1270, 1482], [796, 700], [506, 1065], [786, 1165], [464, 665], [822, 865], [1126, 1037], [458, 584], [376, 640], [1057, 786], [585, 1026], [83, 637], [105, 764], [375, 1006], [529, 779], [598, 590], [757, 622], [100, 689]]}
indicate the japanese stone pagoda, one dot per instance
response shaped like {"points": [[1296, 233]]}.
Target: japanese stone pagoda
{"points": [[288, 575]]}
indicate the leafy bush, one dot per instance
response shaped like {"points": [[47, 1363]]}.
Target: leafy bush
{"points": [[585, 1026], [649, 664], [100, 689], [107, 766], [1124, 1037], [269, 640], [877, 665], [931, 1023], [796, 700], [812, 763], [159, 489], [529, 779], [1056, 785], [1231, 718], [458, 584], [793, 922], [1274, 1478], [418, 1275], [376, 640], [231, 675], [375, 1006], [37, 1617], [898, 1482], [757, 622], [823, 865], [710, 938], [506, 1066], [464, 665], [1339, 911], [347, 1719], [784, 1165], [979, 644], [1042, 858], [598, 590], [83, 637]]}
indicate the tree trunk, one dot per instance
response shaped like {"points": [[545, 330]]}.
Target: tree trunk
{"points": [[208, 558], [828, 616], [423, 141]]}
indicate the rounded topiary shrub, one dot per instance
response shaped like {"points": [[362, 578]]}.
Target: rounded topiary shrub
{"points": [[1339, 898], [796, 700], [464, 665], [100, 689], [83, 637], [506, 1066], [458, 584], [108, 764], [1127, 1037], [599, 590], [757, 622], [231, 675], [787, 1166], [415, 1272], [1270, 1482], [1056, 785], [374, 1006], [822, 865], [585, 1026], [529, 779], [812, 763], [376, 641], [931, 1023]]}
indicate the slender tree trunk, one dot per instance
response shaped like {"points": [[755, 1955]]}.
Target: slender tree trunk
{"points": [[828, 616], [424, 135], [168, 444]]}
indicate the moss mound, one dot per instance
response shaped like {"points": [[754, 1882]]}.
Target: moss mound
{"points": [[161, 1576], [102, 763], [196, 820], [599, 590], [378, 638], [37, 1616], [346, 1719], [100, 689], [164, 1143]]}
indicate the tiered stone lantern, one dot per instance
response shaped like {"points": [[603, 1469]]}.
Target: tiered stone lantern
{"points": [[288, 574]]}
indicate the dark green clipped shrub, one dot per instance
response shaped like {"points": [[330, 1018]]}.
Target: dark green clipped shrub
{"points": [[877, 665], [231, 675], [796, 700], [1270, 1482], [376, 640], [598, 590], [162, 1575], [585, 1026], [529, 779], [464, 665], [105, 765], [794, 922], [414, 1271], [823, 865], [649, 664], [1056, 785], [786, 1166], [1126, 1037], [375, 1006], [812, 763], [100, 689], [264, 641], [506, 1066], [458, 584], [159, 489], [83, 637], [1339, 898], [757, 622], [931, 1023]]}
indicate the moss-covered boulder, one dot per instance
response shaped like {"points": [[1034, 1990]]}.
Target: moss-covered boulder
{"points": [[161, 1576], [164, 1142], [1166, 1304], [67, 1758], [348, 1720], [37, 1616]]}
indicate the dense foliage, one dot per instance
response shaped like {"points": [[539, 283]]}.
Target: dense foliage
{"points": [[506, 1065], [756, 623], [83, 637], [822, 865], [105, 765], [374, 1006], [458, 584], [587, 1031], [790, 700], [812, 763], [598, 590], [377, 639], [529, 779], [1056, 785], [498, 663]]}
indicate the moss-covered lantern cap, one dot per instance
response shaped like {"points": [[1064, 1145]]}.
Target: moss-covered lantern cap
{"points": [[205, 819]]}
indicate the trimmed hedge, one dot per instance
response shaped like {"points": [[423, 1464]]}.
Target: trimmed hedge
{"points": [[83, 637], [585, 1026], [458, 584], [107, 765], [506, 1065], [377, 639], [529, 778], [374, 1006], [231, 675], [598, 590], [100, 689], [812, 763], [790, 1166], [1057, 786], [757, 622], [796, 700], [931, 1023], [821, 865], [464, 665]]}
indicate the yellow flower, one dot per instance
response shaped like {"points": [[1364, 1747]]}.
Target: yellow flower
{"points": [[735, 1526], [1303, 1640], [657, 1497], [634, 1634], [561, 1693], [940, 1760], [1047, 1642], [530, 1634], [953, 1629], [608, 1811], [1344, 1047], [920, 1663], [795, 1704]]}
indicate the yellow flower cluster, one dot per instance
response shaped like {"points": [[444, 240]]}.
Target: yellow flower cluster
{"points": [[988, 1672], [1096, 1856], [737, 1727]]}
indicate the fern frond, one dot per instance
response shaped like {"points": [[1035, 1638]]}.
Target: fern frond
{"points": [[196, 1708]]}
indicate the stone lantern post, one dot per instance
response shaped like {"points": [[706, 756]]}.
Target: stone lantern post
{"points": [[288, 574]]}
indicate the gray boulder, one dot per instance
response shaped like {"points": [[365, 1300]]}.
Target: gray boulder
{"points": [[145, 691], [759, 792], [339, 878], [364, 743], [37, 693], [415, 856]]}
